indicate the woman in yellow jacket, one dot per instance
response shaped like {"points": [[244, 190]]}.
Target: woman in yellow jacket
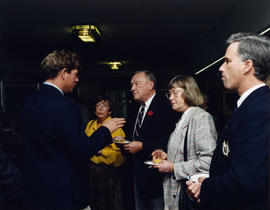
{"points": [[105, 183]]}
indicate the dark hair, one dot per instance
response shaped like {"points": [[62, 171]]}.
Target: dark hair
{"points": [[149, 75], [100, 98], [256, 48], [192, 94], [58, 60]]}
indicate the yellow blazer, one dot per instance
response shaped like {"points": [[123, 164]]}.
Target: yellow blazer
{"points": [[110, 155]]}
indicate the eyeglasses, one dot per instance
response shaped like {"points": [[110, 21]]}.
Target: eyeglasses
{"points": [[175, 92], [102, 105]]}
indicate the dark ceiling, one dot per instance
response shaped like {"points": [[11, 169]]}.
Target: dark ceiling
{"points": [[165, 35]]}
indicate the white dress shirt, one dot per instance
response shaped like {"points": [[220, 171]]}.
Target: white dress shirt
{"points": [[147, 105]]}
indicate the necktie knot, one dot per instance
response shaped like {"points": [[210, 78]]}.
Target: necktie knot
{"points": [[142, 105]]}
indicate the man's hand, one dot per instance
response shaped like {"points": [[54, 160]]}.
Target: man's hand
{"points": [[133, 147], [194, 188], [114, 123]]}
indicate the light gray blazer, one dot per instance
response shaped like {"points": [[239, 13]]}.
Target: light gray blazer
{"points": [[201, 142]]}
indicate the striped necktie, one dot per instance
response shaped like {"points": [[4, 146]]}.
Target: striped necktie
{"points": [[139, 122]]}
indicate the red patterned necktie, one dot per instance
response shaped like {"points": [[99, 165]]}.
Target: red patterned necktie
{"points": [[139, 122]]}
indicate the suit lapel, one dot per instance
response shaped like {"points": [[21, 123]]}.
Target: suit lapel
{"points": [[182, 132], [145, 123], [245, 103]]}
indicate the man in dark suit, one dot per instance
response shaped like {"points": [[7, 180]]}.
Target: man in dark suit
{"points": [[56, 150], [149, 132], [239, 168]]}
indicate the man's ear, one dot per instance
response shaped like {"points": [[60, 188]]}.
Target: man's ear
{"points": [[248, 66], [151, 84], [62, 73]]}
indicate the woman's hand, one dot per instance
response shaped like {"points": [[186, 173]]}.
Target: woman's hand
{"points": [[164, 167], [159, 154]]}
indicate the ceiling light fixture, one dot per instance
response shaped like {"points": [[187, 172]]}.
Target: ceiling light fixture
{"points": [[87, 33], [203, 69], [114, 65]]}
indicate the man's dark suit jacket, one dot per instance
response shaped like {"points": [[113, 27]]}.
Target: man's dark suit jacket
{"points": [[239, 181], [157, 126], [56, 151]]}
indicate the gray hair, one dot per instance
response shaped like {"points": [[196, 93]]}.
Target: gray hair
{"points": [[149, 75], [255, 48]]}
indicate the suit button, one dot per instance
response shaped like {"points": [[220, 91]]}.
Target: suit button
{"points": [[174, 196]]}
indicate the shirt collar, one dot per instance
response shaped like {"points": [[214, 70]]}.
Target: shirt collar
{"points": [[247, 93], [53, 85], [148, 102], [146, 106]]}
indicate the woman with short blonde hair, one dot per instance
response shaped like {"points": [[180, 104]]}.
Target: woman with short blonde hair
{"points": [[192, 94], [196, 128]]}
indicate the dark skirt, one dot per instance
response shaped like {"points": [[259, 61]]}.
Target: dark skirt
{"points": [[105, 187]]}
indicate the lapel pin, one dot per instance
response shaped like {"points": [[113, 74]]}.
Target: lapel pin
{"points": [[225, 148]]}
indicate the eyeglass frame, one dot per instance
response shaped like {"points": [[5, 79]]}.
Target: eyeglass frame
{"points": [[169, 93], [103, 105]]}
